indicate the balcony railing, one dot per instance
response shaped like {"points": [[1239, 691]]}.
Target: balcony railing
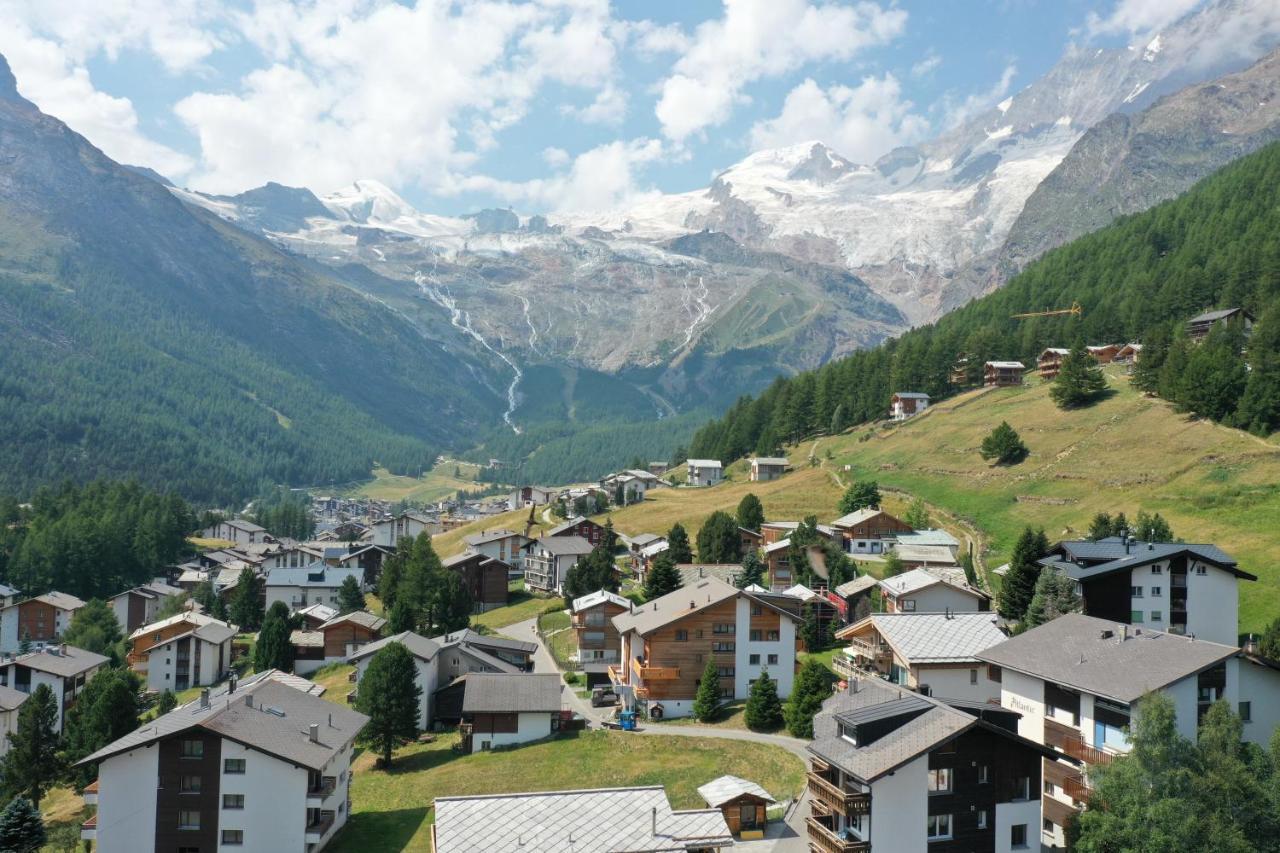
{"points": [[645, 672], [617, 675], [824, 838], [1072, 743], [837, 798], [324, 789], [317, 828], [1075, 787]]}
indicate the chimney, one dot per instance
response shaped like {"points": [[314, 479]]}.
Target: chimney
{"points": [[1124, 633], [701, 572], [314, 732], [654, 813], [204, 698], [248, 700], [330, 719], [231, 684]]}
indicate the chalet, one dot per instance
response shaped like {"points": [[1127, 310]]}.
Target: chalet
{"points": [[136, 607], [638, 820], [959, 374], [895, 770], [500, 544], [766, 468], [531, 496], [599, 645], [11, 701], [906, 404], [237, 530], [657, 469], [777, 563], [869, 531], [930, 538], [315, 615], [8, 595], [38, 620], [751, 539], [579, 526], [1076, 680], [336, 640], [257, 766], [667, 641], [368, 559], [856, 595], [426, 661], [773, 531], [389, 532], [516, 655], [743, 803], [1177, 587], [1104, 353], [1002, 374], [636, 544], [501, 709], [63, 669], [641, 563], [931, 591], [1050, 362], [931, 653], [704, 472], [1198, 327], [1128, 354], [312, 584], [183, 651], [484, 577], [801, 602], [550, 558]]}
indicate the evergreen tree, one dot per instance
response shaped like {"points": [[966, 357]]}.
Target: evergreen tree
{"points": [[94, 628], [1055, 594], [166, 703], [1101, 527], [392, 575], [1259, 410], [106, 711], [21, 827], [350, 596], [219, 610], [1004, 445], [678, 544], [970, 571], [719, 540], [593, 572], [1215, 376], [917, 515], [752, 570], [1079, 380], [204, 595], [815, 633], [763, 712], [273, 649], [1152, 528], [246, 602], [663, 577], [1155, 347], [892, 564], [863, 494], [32, 765], [811, 688], [750, 512], [1020, 583], [389, 695], [401, 619], [707, 700]]}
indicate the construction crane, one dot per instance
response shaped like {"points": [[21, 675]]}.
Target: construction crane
{"points": [[1074, 309]]}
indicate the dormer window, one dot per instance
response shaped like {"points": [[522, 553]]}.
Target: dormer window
{"points": [[849, 733]]}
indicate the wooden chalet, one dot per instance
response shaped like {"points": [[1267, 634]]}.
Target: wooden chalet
{"points": [[1002, 374], [743, 803], [1050, 362], [484, 577], [579, 526], [1198, 327]]}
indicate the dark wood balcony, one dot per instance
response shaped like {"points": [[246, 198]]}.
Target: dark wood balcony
{"points": [[1071, 742], [1075, 787], [837, 798], [823, 837]]}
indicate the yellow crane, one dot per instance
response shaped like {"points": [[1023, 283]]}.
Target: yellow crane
{"points": [[1074, 309]]}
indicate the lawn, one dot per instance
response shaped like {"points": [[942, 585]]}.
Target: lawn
{"points": [[448, 544], [730, 715], [823, 658], [334, 679], [436, 484], [522, 606], [391, 810]]}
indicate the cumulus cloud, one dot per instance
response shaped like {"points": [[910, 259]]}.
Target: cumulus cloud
{"points": [[601, 178], [756, 39], [1138, 17], [957, 111], [861, 122], [926, 66], [608, 107]]}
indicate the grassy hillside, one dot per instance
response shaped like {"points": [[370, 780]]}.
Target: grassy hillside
{"points": [[1126, 453], [436, 484]]}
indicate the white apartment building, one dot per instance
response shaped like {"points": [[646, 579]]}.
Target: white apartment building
{"points": [[505, 545], [63, 669], [313, 584], [38, 620], [388, 533], [426, 657], [704, 472], [182, 651]]}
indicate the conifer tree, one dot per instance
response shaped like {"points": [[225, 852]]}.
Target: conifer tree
{"points": [[750, 512], [1152, 528], [892, 564], [166, 703], [719, 540], [273, 649], [811, 688], [678, 544], [707, 700], [246, 602], [1004, 445], [1055, 594], [402, 618], [32, 765], [663, 577], [389, 695], [763, 712], [752, 570], [21, 827], [350, 596], [863, 494], [1259, 410], [94, 628], [1079, 380], [1020, 583]]}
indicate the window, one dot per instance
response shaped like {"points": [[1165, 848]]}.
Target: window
{"points": [[1246, 712], [233, 801], [984, 774], [771, 636], [682, 636], [1048, 786], [773, 659], [1135, 591], [757, 609], [982, 819], [973, 676], [1135, 617], [755, 635], [1157, 615], [754, 660], [1018, 835], [189, 785], [1201, 570], [908, 605], [1157, 591], [994, 673], [1022, 788], [722, 646], [233, 765], [722, 628], [189, 819], [1157, 569], [193, 749], [940, 781], [939, 827], [233, 836], [1047, 826], [725, 671]]}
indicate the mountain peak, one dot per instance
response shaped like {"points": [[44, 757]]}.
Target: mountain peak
{"points": [[8, 83], [369, 201]]}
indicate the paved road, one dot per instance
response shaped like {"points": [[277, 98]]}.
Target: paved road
{"points": [[783, 838]]}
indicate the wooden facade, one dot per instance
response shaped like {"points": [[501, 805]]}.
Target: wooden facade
{"points": [[484, 577], [1002, 374], [180, 769], [37, 621], [675, 655], [137, 653], [745, 812], [596, 634], [337, 637], [882, 525], [584, 527]]}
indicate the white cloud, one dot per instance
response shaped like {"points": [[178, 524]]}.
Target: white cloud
{"points": [[652, 39], [555, 157], [956, 112], [926, 66], [1139, 17], [861, 122], [756, 39], [608, 107]]}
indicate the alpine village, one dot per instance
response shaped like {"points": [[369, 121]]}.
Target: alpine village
{"points": [[915, 490]]}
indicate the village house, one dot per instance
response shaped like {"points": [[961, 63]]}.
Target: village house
{"points": [[1199, 326], [801, 602], [766, 468], [531, 496], [259, 765], [334, 641], [1103, 353], [182, 651], [11, 701], [316, 583], [64, 669], [925, 556], [667, 642], [501, 709], [1128, 354], [1050, 362], [931, 538], [636, 545], [500, 544], [906, 404], [743, 803], [895, 770], [704, 472], [869, 530], [238, 531], [1177, 587], [37, 621], [931, 591], [550, 558], [315, 615], [599, 645], [515, 654], [136, 607], [1075, 682], [295, 555], [426, 662], [931, 653], [638, 820], [856, 595], [657, 469], [579, 526], [779, 572], [751, 540], [8, 595], [484, 577], [1002, 374], [368, 558], [389, 532]]}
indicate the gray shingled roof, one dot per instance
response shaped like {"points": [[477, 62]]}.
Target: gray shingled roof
{"points": [[858, 584], [54, 661], [604, 820], [1072, 651], [1213, 316], [484, 641], [937, 637], [673, 606], [1110, 554], [918, 579], [694, 572], [717, 792], [507, 693], [600, 596], [490, 536], [359, 617], [418, 645], [316, 574], [10, 698], [565, 525], [564, 545], [857, 517]]}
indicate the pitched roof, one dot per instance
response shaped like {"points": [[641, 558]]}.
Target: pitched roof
{"points": [[1007, 364], [858, 516], [10, 698], [858, 584], [60, 600], [1087, 654], [911, 395], [599, 821], [770, 460], [703, 463], [510, 692], [935, 554], [685, 601], [418, 645], [918, 579], [359, 617], [196, 620], [476, 539], [1087, 559], [566, 525], [600, 596], [319, 610], [561, 546], [1213, 316], [55, 661], [314, 575], [642, 539], [694, 572], [717, 792], [307, 639], [241, 524], [932, 536], [474, 638], [934, 637]]}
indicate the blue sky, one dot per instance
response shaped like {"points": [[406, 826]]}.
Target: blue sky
{"points": [[545, 106]]}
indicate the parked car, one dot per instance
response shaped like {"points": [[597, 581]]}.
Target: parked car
{"points": [[602, 696]]}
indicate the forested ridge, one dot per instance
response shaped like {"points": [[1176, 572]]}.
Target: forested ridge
{"points": [[1139, 279]]}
